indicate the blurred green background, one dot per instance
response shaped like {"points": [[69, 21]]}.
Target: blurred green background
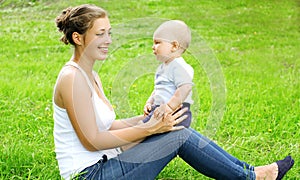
{"points": [[255, 43]]}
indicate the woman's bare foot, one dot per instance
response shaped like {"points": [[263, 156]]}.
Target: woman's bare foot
{"points": [[274, 171], [267, 172]]}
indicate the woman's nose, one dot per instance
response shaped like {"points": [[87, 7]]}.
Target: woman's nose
{"points": [[108, 39]]}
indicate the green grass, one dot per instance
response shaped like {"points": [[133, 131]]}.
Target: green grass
{"points": [[256, 44]]}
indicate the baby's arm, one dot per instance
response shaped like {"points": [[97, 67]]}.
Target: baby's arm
{"points": [[149, 103], [176, 100], [179, 96]]}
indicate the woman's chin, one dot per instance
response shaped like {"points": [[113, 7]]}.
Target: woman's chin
{"points": [[102, 58]]}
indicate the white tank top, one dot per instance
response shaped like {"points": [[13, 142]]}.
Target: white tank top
{"points": [[71, 155]]}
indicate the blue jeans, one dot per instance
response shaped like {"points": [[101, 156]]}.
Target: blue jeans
{"points": [[147, 159]]}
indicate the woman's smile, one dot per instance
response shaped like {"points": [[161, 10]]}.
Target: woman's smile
{"points": [[103, 49]]}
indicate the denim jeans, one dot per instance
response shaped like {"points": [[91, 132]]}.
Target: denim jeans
{"points": [[147, 159]]}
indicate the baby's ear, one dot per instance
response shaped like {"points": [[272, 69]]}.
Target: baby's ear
{"points": [[175, 46]]}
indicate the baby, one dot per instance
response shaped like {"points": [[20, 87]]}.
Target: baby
{"points": [[174, 77]]}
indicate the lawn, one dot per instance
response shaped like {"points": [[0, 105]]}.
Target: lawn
{"points": [[246, 57]]}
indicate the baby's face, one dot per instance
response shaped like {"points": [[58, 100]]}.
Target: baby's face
{"points": [[162, 49]]}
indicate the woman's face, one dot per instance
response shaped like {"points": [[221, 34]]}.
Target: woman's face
{"points": [[97, 39]]}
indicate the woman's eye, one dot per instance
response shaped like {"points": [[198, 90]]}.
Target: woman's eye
{"points": [[102, 34]]}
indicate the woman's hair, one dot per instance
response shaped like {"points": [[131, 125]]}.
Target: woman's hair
{"points": [[78, 19]]}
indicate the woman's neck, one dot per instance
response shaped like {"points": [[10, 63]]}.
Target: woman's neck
{"points": [[85, 63]]}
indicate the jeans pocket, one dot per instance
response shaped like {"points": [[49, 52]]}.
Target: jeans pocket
{"points": [[88, 172]]}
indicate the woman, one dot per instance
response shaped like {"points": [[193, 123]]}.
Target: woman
{"points": [[88, 139]]}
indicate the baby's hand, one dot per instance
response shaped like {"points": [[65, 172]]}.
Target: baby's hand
{"points": [[147, 109], [167, 109], [162, 111]]}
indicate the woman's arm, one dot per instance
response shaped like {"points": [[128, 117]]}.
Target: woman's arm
{"points": [[76, 96], [124, 123]]}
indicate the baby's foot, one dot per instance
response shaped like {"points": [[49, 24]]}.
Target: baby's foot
{"points": [[284, 166]]}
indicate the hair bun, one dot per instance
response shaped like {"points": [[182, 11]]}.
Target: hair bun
{"points": [[62, 23], [63, 19]]}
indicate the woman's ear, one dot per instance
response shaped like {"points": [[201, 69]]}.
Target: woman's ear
{"points": [[77, 38], [175, 45]]}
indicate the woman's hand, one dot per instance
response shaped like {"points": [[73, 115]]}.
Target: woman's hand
{"points": [[164, 110], [165, 122]]}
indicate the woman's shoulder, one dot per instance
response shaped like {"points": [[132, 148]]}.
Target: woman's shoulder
{"points": [[69, 73], [68, 77]]}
